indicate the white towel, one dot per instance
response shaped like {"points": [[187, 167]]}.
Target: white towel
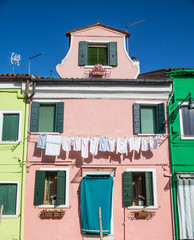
{"points": [[41, 141], [111, 144], [134, 144], [53, 145], [153, 142], [122, 145], [84, 150], [144, 144], [66, 143], [94, 141], [77, 144]]}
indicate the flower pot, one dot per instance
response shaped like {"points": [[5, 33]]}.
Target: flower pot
{"points": [[142, 215], [46, 215], [58, 214], [99, 74], [51, 214]]}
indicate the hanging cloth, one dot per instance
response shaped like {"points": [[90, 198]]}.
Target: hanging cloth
{"points": [[53, 145], [144, 144], [66, 143], [122, 146], [94, 141], [153, 142], [77, 144], [111, 144], [103, 144], [134, 144], [41, 141], [84, 150], [96, 191]]}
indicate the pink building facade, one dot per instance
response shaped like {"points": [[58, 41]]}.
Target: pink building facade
{"points": [[118, 118]]}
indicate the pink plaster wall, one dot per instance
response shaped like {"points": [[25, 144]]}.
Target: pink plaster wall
{"points": [[69, 67], [99, 118]]}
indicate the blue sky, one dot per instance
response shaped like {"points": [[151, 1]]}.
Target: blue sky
{"points": [[165, 39]]}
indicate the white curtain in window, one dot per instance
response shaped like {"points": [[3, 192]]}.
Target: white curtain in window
{"points": [[185, 199]]}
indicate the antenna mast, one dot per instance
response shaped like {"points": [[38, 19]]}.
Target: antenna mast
{"points": [[15, 58]]}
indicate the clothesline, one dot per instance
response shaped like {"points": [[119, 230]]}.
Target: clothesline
{"points": [[52, 144]]}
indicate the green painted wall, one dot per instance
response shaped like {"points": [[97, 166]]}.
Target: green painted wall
{"points": [[13, 161], [182, 151]]}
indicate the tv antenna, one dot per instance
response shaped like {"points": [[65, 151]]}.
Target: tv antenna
{"points": [[131, 26], [15, 58], [30, 60]]}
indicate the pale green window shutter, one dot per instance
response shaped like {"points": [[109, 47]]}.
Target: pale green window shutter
{"points": [[61, 187], [127, 189], [39, 187], [59, 117], [34, 116], [47, 114], [8, 196], [83, 53], [10, 127], [112, 53], [148, 119], [149, 189], [161, 125], [136, 118]]}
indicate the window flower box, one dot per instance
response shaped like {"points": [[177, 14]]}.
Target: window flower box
{"points": [[55, 214], [99, 74], [98, 70], [142, 214]]}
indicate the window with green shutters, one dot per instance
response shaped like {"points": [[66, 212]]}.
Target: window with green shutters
{"points": [[10, 126], [8, 198], [139, 188], [97, 53], [50, 187], [47, 117], [149, 119]]}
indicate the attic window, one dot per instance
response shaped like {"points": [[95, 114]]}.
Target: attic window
{"points": [[98, 54]]}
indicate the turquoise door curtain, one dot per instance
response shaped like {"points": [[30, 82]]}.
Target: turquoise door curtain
{"points": [[96, 191]]}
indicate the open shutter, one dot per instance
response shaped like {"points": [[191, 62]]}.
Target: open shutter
{"points": [[161, 126], [39, 187], [136, 118], [83, 53], [34, 116], [59, 117], [127, 189], [149, 189], [112, 53], [61, 187]]}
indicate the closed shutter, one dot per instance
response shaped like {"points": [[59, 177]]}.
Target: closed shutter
{"points": [[34, 116], [112, 53], [59, 117], [8, 196], [10, 127], [83, 53], [127, 189], [39, 187], [61, 187], [149, 189], [136, 118], [161, 126]]}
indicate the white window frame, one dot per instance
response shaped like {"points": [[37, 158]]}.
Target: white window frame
{"points": [[17, 199], [154, 187], [67, 188], [2, 112], [110, 173], [46, 102], [146, 103], [181, 124]]}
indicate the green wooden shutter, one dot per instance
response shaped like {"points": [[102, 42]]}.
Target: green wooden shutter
{"points": [[34, 116], [39, 187], [8, 196], [10, 127], [59, 117], [112, 53], [161, 126], [61, 187], [149, 189], [127, 189], [83, 53], [136, 118]]}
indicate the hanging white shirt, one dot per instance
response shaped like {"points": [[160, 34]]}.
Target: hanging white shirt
{"points": [[66, 143], [144, 144], [84, 150], [94, 141], [122, 145], [153, 142], [134, 144], [77, 144], [111, 144]]}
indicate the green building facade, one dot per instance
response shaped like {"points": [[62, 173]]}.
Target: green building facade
{"points": [[181, 129], [13, 147]]}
